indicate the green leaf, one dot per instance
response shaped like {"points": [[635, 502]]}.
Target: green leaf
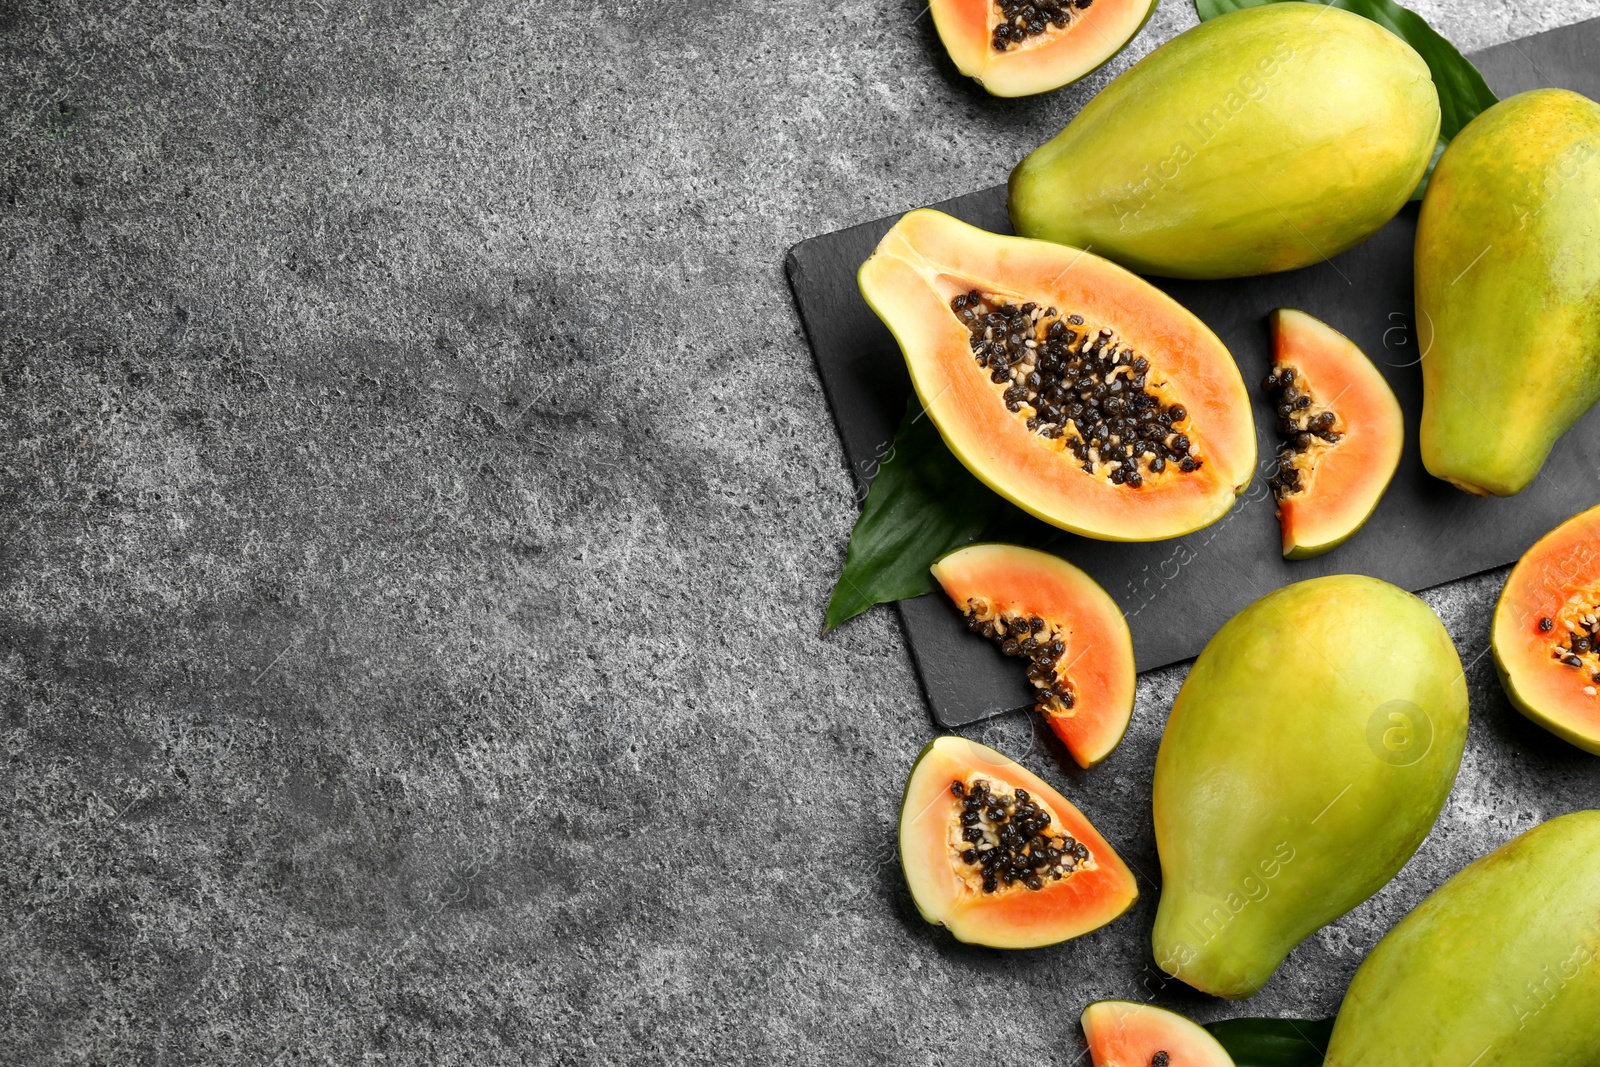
{"points": [[1274, 1042], [1462, 91], [923, 504]]}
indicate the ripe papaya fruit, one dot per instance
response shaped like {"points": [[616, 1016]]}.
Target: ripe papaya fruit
{"points": [[1076, 390], [1263, 140], [1000, 858], [1121, 1033], [1341, 430], [1500, 967], [1043, 609], [1507, 272], [1546, 635], [1306, 757], [1020, 47]]}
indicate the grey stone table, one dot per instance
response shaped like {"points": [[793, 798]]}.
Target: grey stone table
{"points": [[418, 511]]}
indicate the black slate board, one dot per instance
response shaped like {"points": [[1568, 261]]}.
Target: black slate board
{"points": [[1176, 593]]}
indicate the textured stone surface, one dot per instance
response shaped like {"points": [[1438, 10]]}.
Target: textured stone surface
{"points": [[418, 511]]}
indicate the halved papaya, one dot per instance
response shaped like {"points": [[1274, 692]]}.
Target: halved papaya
{"points": [[1341, 431], [997, 856], [1069, 386], [1020, 47], [1044, 609], [1546, 635], [1124, 1034]]}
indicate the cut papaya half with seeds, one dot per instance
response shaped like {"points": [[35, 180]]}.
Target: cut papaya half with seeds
{"points": [[1000, 858], [1546, 634], [1071, 387], [1021, 47], [1121, 1033], [1075, 639], [1340, 429]]}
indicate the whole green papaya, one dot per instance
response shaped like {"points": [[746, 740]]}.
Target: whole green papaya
{"points": [[1266, 139], [1500, 967], [1508, 290], [1306, 757]]}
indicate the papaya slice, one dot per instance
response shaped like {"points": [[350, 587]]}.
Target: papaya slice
{"points": [[1546, 633], [997, 856], [1121, 1033], [1341, 433], [1021, 47], [1069, 386], [1073, 635]]}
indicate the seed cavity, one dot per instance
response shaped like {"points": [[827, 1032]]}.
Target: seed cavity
{"points": [[1008, 838], [1043, 644], [1021, 19], [1079, 386], [1577, 643], [1307, 427]]}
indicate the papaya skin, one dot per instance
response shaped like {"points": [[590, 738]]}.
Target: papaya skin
{"points": [[1507, 272], [1263, 140], [1287, 789], [1500, 967]]}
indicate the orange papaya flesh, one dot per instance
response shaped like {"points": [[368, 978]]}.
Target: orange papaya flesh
{"points": [[1546, 632], [965, 876], [1042, 609], [1021, 47], [1341, 432], [1068, 385], [1121, 1033]]}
